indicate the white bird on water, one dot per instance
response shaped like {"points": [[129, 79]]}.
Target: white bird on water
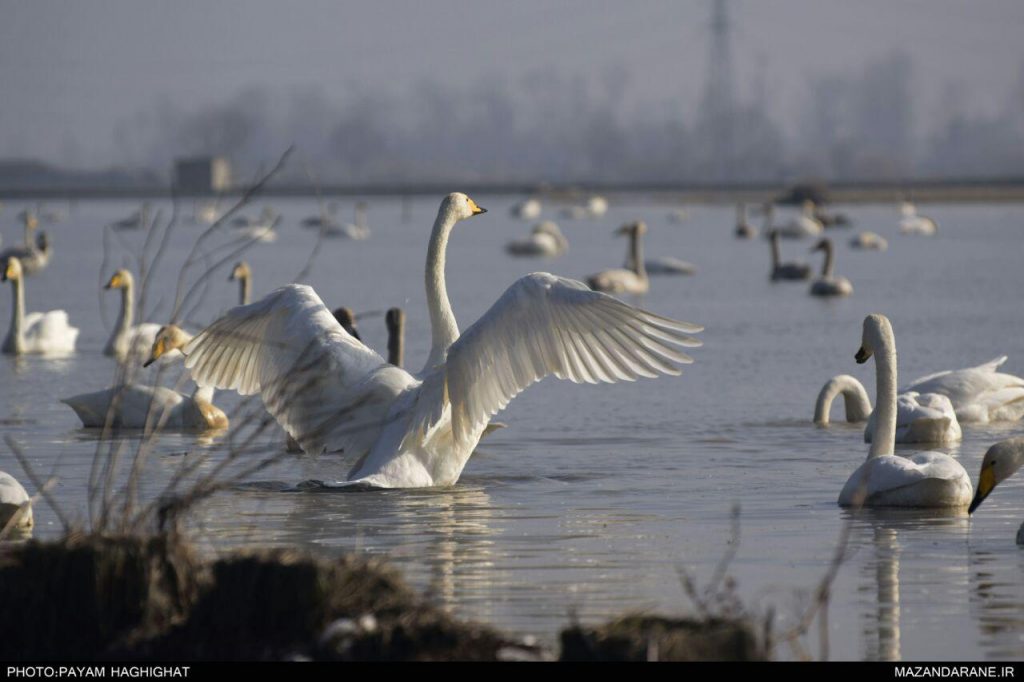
{"points": [[332, 393], [1000, 462], [45, 333], [924, 479]]}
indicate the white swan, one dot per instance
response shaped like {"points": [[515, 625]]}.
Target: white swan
{"points": [[668, 265], [927, 418], [785, 271], [127, 340], [924, 479], [14, 501], [979, 394], [355, 230], [527, 209], [869, 241], [330, 392], [243, 274], [34, 254], [1001, 461], [912, 223], [136, 406], [631, 279], [47, 333], [545, 240], [828, 284], [803, 225], [744, 230]]}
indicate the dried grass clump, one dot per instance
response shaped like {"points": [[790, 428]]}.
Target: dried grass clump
{"points": [[654, 638]]}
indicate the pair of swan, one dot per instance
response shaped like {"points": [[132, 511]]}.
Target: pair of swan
{"points": [[136, 406], [402, 430], [912, 223], [330, 227], [14, 502], [920, 418], [128, 340], [33, 254], [46, 333], [924, 479], [545, 240], [828, 284], [794, 270], [261, 228]]}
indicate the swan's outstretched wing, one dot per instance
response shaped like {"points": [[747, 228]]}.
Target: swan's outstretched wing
{"points": [[549, 325], [325, 388]]}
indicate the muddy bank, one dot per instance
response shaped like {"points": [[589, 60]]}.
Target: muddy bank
{"points": [[93, 597]]}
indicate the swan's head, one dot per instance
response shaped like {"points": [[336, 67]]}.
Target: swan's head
{"points": [[823, 245], [907, 209], [636, 227], [121, 279], [11, 270], [877, 334], [394, 319], [347, 319], [240, 271], [1001, 461], [460, 206], [170, 338], [43, 242], [30, 220]]}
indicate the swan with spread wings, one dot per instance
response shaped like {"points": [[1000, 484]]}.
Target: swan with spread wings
{"points": [[331, 393]]}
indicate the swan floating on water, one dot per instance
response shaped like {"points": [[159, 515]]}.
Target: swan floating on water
{"points": [[633, 278], [912, 223], [869, 241], [137, 406], [928, 418], [261, 228], [1001, 461], [45, 333], [979, 394], [828, 284], [545, 240], [803, 225], [788, 271], [242, 273], [527, 209], [332, 393], [127, 340], [744, 230], [34, 254], [924, 479], [14, 500]]}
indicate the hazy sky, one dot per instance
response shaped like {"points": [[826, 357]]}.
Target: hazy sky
{"points": [[70, 70]]}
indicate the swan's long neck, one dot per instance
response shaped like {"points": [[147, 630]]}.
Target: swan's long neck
{"points": [[15, 341], [245, 289], [444, 330], [396, 342], [29, 228], [127, 315], [884, 439], [775, 250], [858, 407], [636, 255], [826, 268]]}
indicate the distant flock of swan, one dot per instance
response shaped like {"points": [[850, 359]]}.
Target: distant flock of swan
{"points": [[398, 429]]}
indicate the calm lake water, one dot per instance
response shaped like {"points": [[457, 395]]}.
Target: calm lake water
{"points": [[594, 498]]}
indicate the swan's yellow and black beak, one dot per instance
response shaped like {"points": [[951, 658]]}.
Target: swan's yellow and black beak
{"points": [[477, 210], [159, 348], [115, 282], [862, 355], [986, 483]]}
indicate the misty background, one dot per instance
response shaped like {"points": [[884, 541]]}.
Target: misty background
{"points": [[534, 91]]}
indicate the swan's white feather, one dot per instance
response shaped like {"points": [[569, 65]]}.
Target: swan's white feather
{"points": [[979, 394], [49, 332], [933, 477], [325, 388], [544, 325]]}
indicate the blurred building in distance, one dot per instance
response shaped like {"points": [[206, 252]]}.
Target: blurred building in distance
{"points": [[202, 174]]}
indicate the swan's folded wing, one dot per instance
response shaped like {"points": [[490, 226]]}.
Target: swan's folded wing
{"points": [[547, 325], [989, 367], [324, 387]]}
